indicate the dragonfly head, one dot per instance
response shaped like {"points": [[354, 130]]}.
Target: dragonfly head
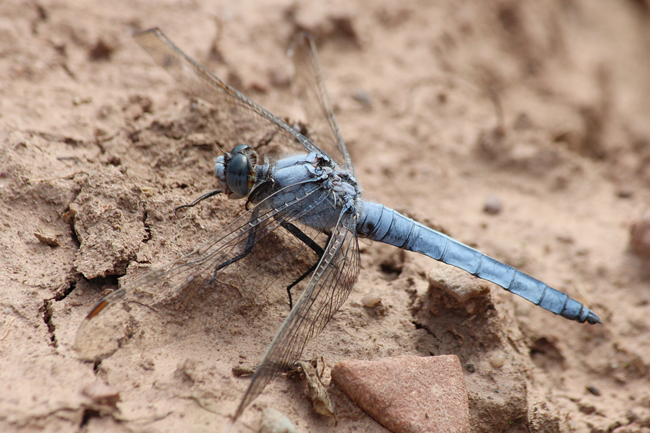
{"points": [[236, 171]]}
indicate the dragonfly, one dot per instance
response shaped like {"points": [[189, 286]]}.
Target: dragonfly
{"points": [[303, 217]]}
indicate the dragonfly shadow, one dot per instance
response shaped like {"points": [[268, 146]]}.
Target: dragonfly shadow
{"points": [[168, 304]]}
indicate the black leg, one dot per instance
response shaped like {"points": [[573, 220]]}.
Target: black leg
{"points": [[195, 202], [299, 279], [259, 189], [247, 249], [311, 244], [252, 234]]}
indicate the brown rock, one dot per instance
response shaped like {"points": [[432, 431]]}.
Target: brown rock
{"points": [[457, 283], [408, 394]]}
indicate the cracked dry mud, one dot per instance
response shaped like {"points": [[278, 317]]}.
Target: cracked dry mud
{"points": [[445, 106]]}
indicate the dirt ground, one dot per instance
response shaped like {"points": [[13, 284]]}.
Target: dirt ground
{"points": [[538, 109]]}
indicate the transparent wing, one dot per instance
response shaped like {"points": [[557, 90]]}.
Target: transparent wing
{"points": [[202, 83], [274, 258], [310, 87], [329, 287]]}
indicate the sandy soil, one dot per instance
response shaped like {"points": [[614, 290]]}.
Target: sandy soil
{"points": [[445, 106]]}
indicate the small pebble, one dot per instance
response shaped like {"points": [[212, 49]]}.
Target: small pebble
{"points": [[47, 238], [147, 191], [242, 372], [363, 98], [492, 205], [370, 300], [497, 360], [595, 391]]}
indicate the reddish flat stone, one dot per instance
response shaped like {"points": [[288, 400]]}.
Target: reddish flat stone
{"points": [[408, 394]]}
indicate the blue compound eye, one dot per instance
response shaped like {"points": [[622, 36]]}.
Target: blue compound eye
{"points": [[240, 148], [240, 175]]}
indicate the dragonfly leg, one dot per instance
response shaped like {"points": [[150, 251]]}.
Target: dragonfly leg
{"points": [[259, 190], [195, 202], [311, 244], [299, 279], [247, 249]]}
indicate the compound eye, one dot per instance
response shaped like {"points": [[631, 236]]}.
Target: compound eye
{"points": [[240, 176], [240, 148], [245, 149]]}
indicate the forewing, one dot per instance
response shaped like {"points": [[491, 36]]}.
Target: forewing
{"points": [[310, 88], [329, 287], [200, 82], [276, 258]]}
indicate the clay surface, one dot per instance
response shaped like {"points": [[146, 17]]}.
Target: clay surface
{"points": [[518, 127]]}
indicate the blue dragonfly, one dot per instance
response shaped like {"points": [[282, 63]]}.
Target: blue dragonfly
{"points": [[303, 217]]}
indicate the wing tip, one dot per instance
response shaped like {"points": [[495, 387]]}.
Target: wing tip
{"points": [[154, 30]]}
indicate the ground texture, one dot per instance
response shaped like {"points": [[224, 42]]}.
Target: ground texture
{"points": [[537, 111]]}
